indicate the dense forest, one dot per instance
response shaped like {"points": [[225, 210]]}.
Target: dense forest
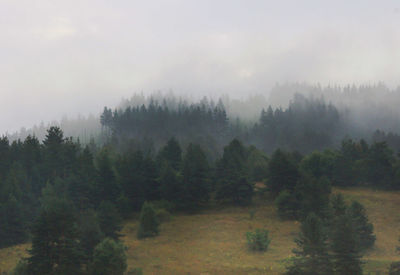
{"points": [[70, 198]]}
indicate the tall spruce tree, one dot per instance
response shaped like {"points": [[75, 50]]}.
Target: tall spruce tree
{"points": [[109, 219], [283, 173], [195, 174], [346, 257], [363, 227], [55, 240], [312, 257]]}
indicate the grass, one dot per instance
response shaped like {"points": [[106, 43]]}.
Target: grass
{"points": [[214, 242]]}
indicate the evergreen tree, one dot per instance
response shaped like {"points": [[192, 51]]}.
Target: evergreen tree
{"points": [[90, 233], [363, 227], [312, 256], [172, 153], [171, 187], [149, 223], [53, 148], [282, 173], [13, 223], [233, 184], [195, 177], [109, 219], [313, 196], [288, 205], [338, 205], [109, 258], [346, 258], [108, 188], [55, 240]]}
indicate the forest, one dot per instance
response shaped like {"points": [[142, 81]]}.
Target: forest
{"points": [[162, 157]]}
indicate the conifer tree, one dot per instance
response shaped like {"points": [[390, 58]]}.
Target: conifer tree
{"points": [[107, 187], [109, 219], [55, 240], [363, 227], [195, 177], [149, 223], [109, 258], [172, 153], [282, 173], [90, 233], [312, 256], [338, 205], [346, 257]]}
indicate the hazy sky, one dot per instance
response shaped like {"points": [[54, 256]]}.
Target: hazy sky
{"points": [[68, 57]]}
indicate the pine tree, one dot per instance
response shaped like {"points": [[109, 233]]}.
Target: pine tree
{"points": [[312, 256], [107, 187], [90, 233], [346, 258], [172, 153], [233, 185], [195, 177], [55, 240], [338, 205], [282, 173], [149, 223], [109, 219], [363, 227], [109, 258]]}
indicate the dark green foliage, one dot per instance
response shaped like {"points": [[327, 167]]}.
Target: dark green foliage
{"points": [[171, 187], [109, 219], [195, 176], [258, 240], [13, 223], [338, 205], [312, 254], [346, 257], [313, 195], [132, 178], [90, 233], [107, 188], [233, 185], [171, 153], [149, 223], [55, 240], [283, 173], [288, 205], [364, 229], [109, 258]]}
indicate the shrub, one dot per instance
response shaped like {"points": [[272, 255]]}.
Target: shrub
{"points": [[149, 223], [163, 215], [258, 240]]}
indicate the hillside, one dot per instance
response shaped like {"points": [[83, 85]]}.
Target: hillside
{"points": [[213, 241]]}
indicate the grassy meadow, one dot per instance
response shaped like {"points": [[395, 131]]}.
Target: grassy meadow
{"points": [[213, 241]]}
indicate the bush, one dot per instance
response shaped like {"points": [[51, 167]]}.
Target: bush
{"points": [[163, 215], [149, 223], [258, 240], [109, 258]]}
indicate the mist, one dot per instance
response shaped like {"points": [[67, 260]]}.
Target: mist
{"points": [[64, 59]]}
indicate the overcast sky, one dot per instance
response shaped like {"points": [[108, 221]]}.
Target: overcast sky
{"points": [[69, 57]]}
